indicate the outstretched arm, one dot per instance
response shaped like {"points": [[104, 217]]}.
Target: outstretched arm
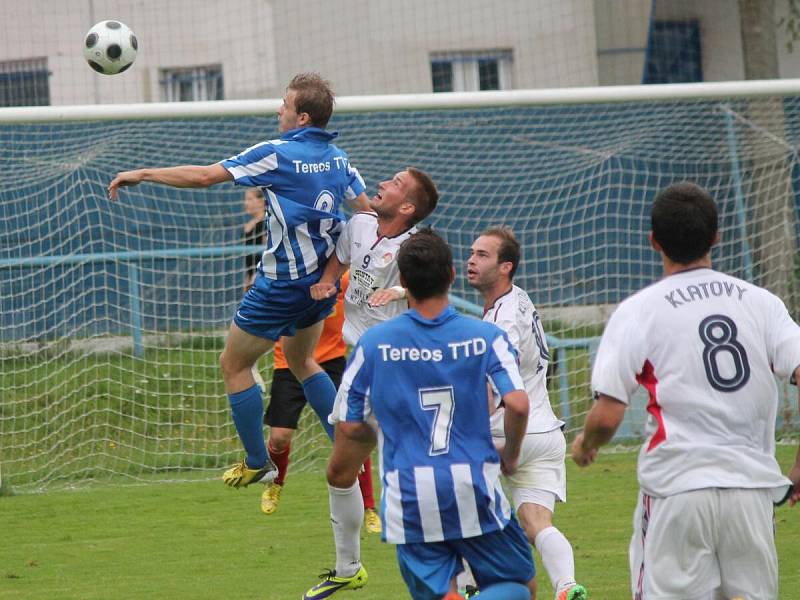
{"points": [[601, 424], [186, 176]]}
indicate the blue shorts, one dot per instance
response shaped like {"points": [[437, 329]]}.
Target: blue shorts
{"points": [[427, 568], [275, 307]]}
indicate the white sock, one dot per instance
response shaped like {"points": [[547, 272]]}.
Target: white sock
{"points": [[466, 577], [557, 558], [347, 512]]}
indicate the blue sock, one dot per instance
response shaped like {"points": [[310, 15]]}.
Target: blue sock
{"points": [[508, 590], [320, 394], [247, 408]]}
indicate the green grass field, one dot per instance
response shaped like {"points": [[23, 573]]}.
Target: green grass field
{"points": [[200, 540]]}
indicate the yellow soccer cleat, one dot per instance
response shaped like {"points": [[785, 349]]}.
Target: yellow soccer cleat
{"points": [[331, 584], [240, 475], [372, 521], [270, 498]]}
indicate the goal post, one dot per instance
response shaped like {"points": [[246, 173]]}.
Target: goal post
{"points": [[113, 314]]}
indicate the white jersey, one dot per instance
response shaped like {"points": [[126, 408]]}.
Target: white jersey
{"points": [[705, 346], [373, 266], [515, 314]]}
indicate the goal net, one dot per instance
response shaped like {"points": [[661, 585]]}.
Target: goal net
{"points": [[113, 313]]}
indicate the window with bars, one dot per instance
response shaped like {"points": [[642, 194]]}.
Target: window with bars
{"points": [[471, 71], [24, 82], [190, 84]]}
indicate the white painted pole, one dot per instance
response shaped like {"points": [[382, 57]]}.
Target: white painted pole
{"points": [[350, 104]]}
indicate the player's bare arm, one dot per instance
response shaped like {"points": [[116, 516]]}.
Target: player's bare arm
{"points": [[185, 176], [515, 422], [360, 203], [326, 287], [601, 424], [386, 296], [794, 472]]}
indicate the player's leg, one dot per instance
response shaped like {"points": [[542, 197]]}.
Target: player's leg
{"points": [[347, 512], [746, 549], [286, 403], [317, 385], [537, 484], [372, 520], [673, 549], [501, 562], [427, 569], [241, 351]]}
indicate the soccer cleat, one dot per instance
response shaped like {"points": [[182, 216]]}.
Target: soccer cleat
{"points": [[240, 475], [331, 584], [574, 592], [270, 498], [471, 591], [372, 521]]}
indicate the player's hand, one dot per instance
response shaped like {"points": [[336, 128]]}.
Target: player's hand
{"points": [[583, 458], [794, 475], [384, 297], [508, 465], [322, 291], [124, 178]]}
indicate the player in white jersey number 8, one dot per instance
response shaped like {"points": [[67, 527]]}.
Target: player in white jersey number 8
{"points": [[705, 346]]}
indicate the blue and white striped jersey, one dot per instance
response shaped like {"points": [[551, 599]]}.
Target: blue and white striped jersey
{"points": [[425, 381], [304, 178]]}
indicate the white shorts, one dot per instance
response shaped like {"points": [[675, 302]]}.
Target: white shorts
{"points": [[704, 544], [541, 468]]}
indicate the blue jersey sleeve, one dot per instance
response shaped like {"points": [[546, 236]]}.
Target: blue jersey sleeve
{"points": [[502, 369], [253, 167], [355, 183]]}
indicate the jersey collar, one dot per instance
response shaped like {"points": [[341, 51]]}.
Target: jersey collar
{"points": [[309, 133], [444, 316]]}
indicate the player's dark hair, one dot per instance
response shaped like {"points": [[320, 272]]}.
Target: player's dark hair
{"points": [[426, 265], [509, 250], [684, 222], [313, 96], [424, 194]]}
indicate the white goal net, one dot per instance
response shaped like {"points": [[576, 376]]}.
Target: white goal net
{"points": [[112, 315]]}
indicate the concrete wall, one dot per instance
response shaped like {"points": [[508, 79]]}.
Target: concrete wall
{"points": [[363, 47]]}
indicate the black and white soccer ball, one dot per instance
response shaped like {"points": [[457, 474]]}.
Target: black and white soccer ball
{"points": [[110, 47]]}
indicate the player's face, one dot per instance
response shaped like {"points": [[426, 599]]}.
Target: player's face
{"points": [[393, 195], [483, 268], [287, 114]]}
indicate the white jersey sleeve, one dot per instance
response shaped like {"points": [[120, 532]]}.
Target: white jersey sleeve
{"points": [[345, 240], [783, 340], [620, 356]]}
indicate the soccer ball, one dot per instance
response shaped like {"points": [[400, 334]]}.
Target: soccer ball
{"points": [[110, 47]]}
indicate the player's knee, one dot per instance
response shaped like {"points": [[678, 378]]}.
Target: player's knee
{"points": [[341, 476], [279, 439]]}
